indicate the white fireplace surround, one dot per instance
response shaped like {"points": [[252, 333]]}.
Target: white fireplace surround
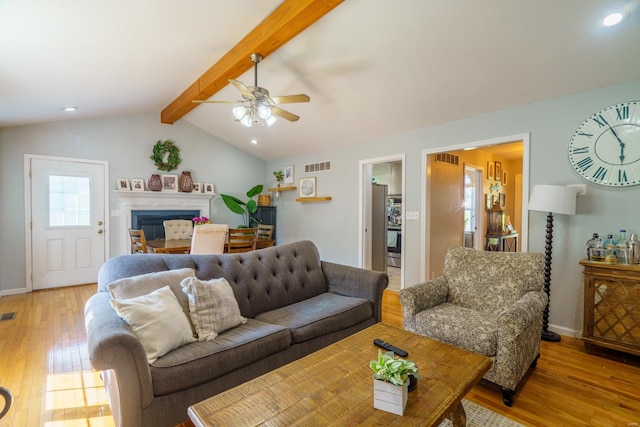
{"points": [[156, 200]]}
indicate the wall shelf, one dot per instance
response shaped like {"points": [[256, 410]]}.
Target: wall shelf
{"points": [[276, 189], [313, 199]]}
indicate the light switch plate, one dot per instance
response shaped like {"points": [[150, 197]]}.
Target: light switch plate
{"points": [[412, 215], [115, 212]]}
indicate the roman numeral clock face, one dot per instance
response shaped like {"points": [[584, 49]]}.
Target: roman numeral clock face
{"points": [[605, 149]]}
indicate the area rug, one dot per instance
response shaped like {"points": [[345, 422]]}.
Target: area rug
{"points": [[479, 416]]}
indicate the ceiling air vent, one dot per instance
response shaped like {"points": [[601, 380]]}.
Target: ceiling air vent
{"points": [[452, 159], [317, 167]]}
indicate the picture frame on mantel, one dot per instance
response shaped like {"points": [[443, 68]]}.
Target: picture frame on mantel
{"points": [[197, 187], [123, 184], [137, 184], [209, 188], [170, 183]]}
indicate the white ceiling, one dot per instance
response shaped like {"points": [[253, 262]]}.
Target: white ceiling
{"points": [[371, 67]]}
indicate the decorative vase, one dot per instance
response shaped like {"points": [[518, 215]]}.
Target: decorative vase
{"points": [[185, 183], [155, 183], [389, 397]]}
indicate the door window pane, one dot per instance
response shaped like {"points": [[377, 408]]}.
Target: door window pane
{"points": [[69, 201]]}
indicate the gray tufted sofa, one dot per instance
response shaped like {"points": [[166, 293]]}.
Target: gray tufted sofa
{"points": [[489, 303], [295, 304]]}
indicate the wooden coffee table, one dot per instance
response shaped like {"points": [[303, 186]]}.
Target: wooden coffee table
{"points": [[334, 386]]}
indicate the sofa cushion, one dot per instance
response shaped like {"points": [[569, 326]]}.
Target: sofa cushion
{"points": [[204, 361], [143, 284], [462, 327], [157, 320], [319, 315], [212, 307]]}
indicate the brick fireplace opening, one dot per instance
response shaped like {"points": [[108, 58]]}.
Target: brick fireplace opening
{"points": [[151, 221]]}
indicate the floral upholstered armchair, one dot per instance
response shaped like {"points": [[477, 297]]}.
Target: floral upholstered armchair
{"points": [[486, 302]]}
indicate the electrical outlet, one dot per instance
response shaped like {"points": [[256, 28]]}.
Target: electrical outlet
{"points": [[412, 215]]}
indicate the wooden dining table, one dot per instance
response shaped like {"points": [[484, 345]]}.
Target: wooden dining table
{"points": [[183, 246]]}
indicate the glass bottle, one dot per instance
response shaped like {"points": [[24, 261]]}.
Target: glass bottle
{"points": [[610, 244], [593, 243], [621, 248]]}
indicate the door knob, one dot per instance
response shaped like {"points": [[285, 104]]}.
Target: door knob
{"points": [[99, 222], [100, 231]]}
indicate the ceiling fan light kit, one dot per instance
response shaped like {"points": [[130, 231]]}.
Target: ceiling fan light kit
{"points": [[256, 106]]}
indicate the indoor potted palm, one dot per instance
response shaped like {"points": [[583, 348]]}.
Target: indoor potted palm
{"points": [[391, 381]]}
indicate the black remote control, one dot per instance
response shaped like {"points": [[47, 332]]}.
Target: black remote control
{"points": [[389, 347]]}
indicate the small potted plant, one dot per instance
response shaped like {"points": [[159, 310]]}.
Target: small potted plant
{"points": [[279, 177], [391, 382], [199, 220]]}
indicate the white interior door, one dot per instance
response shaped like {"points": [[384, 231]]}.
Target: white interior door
{"points": [[67, 214]]}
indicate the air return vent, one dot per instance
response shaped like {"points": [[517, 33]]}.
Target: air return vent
{"points": [[8, 316], [318, 167], [452, 159]]}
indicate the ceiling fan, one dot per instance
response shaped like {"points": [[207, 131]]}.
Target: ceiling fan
{"points": [[256, 106]]}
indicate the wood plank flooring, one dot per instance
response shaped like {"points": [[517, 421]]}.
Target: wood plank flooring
{"points": [[44, 362]]}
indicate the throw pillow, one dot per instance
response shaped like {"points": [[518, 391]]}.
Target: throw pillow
{"points": [[131, 287], [157, 320], [212, 306]]}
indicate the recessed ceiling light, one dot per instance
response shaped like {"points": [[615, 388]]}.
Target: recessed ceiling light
{"points": [[69, 108], [615, 18], [254, 141]]}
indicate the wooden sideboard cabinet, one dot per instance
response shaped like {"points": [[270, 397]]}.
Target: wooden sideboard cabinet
{"points": [[611, 306]]}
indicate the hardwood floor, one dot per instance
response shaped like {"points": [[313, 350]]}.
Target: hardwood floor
{"points": [[44, 362]]}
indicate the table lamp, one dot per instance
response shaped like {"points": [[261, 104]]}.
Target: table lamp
{"points": [[552, 199]]}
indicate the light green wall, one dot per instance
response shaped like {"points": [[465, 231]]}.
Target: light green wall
{"points": [[334, 225], [126, 143]]}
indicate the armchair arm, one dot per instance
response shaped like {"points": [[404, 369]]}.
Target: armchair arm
{"points": [[421, 297], [522, 313], [112, 345], [357, 282]]}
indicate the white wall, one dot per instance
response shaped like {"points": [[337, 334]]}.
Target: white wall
{"points": [[333, 225], [126, 143]]}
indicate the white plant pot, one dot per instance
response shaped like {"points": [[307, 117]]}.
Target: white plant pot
{"points": [[390, 398]]}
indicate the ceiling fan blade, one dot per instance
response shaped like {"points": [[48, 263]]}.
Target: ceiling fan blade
{"points": [[287, 99], [284, 114], [216, 101], [242, 88]]}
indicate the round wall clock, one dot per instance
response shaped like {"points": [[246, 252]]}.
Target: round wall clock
{"points": [[605, 149]]}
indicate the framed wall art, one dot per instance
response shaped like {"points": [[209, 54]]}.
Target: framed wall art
{"points": [[490, 170], [498, 170], [308, 187], [288, 174], [170, 182]]}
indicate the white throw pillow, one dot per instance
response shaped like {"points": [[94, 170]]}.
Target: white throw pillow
{"points": [[157, 320], [212, 306]]}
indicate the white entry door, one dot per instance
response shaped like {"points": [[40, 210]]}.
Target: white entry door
{"points": [[68, 243]]}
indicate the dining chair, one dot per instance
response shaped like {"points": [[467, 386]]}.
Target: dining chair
{"points": [[242, 240], [138, 241], [209, 239], [177, 229], [265, 236]]}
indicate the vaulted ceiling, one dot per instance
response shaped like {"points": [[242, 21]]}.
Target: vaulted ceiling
{"points": [[371, 67]]}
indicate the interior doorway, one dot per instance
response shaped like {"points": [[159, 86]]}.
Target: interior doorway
{"points": [[381, 212], [443, 201], [473, 209]]}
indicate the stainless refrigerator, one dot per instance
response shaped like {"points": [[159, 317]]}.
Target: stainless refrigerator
{"points": [[379, 223]]}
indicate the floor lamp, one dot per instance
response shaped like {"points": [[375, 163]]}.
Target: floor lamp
{"points": [[552, 199]]}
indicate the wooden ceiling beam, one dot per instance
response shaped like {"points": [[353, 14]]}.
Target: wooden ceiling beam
{"points": [[287, 21]]}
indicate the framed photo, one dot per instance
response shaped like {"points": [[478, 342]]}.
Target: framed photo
{"points": [[490, 170], [197, 187], [208, 188], [504, 178], [170, 182], [498, 171], [288, 174], [308, 187], [137, 184], [123, 184], [503, 200]]}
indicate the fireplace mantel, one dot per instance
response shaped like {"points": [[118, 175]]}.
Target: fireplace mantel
{"points": [[156, 200]]}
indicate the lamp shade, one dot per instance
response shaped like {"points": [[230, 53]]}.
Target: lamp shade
{"points": [[553, 198]]}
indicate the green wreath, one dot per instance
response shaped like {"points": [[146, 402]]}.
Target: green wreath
{"points": [[173, 160]]}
